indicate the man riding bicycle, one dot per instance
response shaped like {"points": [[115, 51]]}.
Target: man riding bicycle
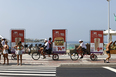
{"points": [[45, 48], [83, 46]]}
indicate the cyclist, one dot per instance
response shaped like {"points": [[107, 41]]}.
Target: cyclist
{"points": [[83, 46], [45, 48]]}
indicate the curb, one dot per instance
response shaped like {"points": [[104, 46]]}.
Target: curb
{"points": [[86, 64]]}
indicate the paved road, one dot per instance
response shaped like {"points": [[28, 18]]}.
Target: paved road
{"points": [[34, 71], [49, 68], [87, 71], [21, 71]]}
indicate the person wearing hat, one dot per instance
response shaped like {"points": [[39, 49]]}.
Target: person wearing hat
{"points": [[45, 48], [83, 46]]}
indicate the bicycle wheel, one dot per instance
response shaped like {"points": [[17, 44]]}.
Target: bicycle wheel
{"points": [[35, 55], [14, 57], [74, 56], [93, 57], [55, 57]]}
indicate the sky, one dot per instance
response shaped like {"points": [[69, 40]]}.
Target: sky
{"points": [[40, 17]]}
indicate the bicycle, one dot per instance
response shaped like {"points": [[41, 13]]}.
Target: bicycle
{"points": [[75, 55], [36, 55]]}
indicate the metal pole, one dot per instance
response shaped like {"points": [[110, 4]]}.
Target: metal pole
{"points": [[108, 21]]}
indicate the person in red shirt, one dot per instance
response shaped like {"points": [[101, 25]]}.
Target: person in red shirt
{"points": [[50, 46]]}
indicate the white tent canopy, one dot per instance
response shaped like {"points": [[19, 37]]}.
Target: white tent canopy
{"points": [[112, 32], [1, 36]]}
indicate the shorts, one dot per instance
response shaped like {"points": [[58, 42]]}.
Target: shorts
{"points": [[83, 49], [45, 50], [49, 50], [107, 51], [18, 52], [5, 51]]}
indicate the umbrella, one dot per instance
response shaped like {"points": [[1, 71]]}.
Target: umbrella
{"points": [[1, 37], [112, 32]]}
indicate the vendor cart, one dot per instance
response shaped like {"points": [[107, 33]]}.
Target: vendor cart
{"points": [[96, 46], [58, 45]]}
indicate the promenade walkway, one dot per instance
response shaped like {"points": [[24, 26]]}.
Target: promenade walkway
{"points": [[63, 59]]}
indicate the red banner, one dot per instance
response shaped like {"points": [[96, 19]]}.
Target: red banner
{"points": [[96, 34], [17, 35], [59, 34], [96, 41], [59, 41]]}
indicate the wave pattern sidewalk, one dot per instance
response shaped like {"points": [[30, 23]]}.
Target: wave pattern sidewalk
{"points": [[48, 62]]}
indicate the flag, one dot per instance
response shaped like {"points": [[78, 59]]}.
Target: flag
{"points": [[108, 0], [115, 17]]}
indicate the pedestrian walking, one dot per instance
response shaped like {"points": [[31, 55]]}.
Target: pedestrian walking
{"points": [[19, 48], [108, 52], [5, 52], [1, 50]]}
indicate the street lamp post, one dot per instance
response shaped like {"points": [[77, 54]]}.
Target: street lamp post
{"points": [[108, 21]]}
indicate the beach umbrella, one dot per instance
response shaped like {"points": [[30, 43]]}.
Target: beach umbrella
{"points": [[112, 33], [1, 37]]}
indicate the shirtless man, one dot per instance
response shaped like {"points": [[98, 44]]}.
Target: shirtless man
{"points": [[108, 52]]}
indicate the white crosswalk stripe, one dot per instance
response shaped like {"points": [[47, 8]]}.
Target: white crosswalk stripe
{"points": [[110, 68], [41, 71]]}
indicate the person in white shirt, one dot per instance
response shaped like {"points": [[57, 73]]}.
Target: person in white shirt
{"points": [[3, 41], [83, 46], [45, 48], [46, 45]]}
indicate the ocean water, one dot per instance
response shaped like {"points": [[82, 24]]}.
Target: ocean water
{"points": [[70, 44]]}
